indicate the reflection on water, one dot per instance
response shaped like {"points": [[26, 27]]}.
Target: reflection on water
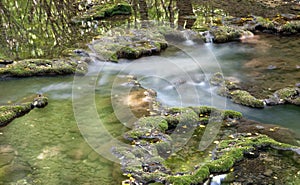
{"points": [[49, 144]]}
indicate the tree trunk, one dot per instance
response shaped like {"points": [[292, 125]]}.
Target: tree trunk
{"points": [[186, 16]]}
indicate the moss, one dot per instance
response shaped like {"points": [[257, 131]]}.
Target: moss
{"points": [[133, 44], [232, 114], [155, 122], [291, 27], [135, 134], [180, 180], [226, 34], [286, 93], [9, 113], [245, 98], [265, 23], [38, 67]]}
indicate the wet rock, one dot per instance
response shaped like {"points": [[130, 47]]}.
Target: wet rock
{"points": [[272, 100], [144, 160], [132, 44], [224, 34], [42, 67], [217, 79], [273, 131], [40, 101], [14, 172], [245, 98]]}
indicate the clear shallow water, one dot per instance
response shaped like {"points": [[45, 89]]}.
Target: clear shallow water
{"points": [[49, 141]]}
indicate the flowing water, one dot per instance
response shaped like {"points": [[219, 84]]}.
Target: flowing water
{"points": [[47, 144]]}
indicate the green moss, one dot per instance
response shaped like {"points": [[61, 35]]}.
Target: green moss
{"points": [[37, 67], [9, 113], [245, 98], [291, 27], [155, 122], [265, 23], [286, 93], [232, 114], [180, 180], [226, 34]]}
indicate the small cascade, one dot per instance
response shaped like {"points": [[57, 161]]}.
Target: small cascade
{"points": [[208, 37], [187, 34]]}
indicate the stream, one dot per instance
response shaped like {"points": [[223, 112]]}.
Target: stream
{"points": [[48, 144]]}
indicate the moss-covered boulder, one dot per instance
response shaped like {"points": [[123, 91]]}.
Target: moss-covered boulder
{"points": [[224, 34], [245, 98], [286, 93], [129, 44], [42, 67], [102, 11], [9, 112]]}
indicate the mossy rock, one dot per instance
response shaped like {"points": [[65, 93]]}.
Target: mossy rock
{"points": [[9, 113], [245, 98], [224, 34], [286, 93], [232, 114], [43, 67], [129, 44]]}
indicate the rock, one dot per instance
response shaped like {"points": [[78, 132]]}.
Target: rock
{"points": [[217, 79], [224, 34], [245, 98], [40, 101], [251, 154], [42, 67], [272, 100], [10, 112], [132, 44]]}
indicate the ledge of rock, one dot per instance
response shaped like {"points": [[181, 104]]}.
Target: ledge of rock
{"points": [[9, 112], [42, 67]]}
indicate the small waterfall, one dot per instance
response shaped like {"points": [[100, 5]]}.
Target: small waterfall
{"points": [[208, 37], [187, 34]]}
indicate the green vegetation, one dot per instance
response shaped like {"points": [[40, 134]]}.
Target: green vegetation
{"points": [[286, 93], [226, 34], [9, 113], [290, 27], [245, 98], [38, 67]]}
